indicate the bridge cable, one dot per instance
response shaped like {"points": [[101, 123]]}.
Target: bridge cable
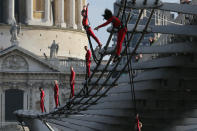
{"points": [[99, 62], [130, 69], [106, 79], [109, 75], [91, 47], [72, 100]]}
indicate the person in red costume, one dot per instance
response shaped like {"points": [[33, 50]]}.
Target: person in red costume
{"points": [[42, 99], [88, 60], [86, 26], [118, 25], [138, 123], [56, 93], [185, 1], [72, 81]]}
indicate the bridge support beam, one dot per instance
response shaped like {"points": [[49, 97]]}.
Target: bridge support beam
{"points": [[36, 125]]}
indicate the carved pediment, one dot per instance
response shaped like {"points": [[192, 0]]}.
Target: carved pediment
{"points": [[17, 59], [14, 63]]}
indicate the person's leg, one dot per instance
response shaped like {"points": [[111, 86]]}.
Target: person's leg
{"points": [[89, 69], [56, 101], [91, 33], [121, 36], [70, 90], [42, 105], [73, 88]]}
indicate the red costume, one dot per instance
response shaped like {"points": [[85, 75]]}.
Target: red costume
{"points": [[56, 95], [139, 124], [42, 100], [88, 61], [72, 83], [87, 27], [121, 31]]}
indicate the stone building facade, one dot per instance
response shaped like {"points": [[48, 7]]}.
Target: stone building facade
{"points": [[27, 66], [65, 13], [21, 75], [43, 21]]}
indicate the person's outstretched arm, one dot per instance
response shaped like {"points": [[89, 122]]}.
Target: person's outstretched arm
{"points": [[104, 24]]}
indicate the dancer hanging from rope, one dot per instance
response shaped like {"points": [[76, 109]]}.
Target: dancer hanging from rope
{"points": [[138, 125], [42, 99], [86, 26], [56, 93], [122, 30], [72, 81]]}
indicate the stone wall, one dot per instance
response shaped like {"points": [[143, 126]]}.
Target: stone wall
{"points": [[38, 39]]}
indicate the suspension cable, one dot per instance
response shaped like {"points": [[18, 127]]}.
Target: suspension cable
{"points": [[103, 84], [104, 68], [91, 47], [133, 52], [130, 70], [99, 62]]}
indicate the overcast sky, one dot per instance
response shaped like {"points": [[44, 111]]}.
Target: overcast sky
{"points": [[96, 9]]}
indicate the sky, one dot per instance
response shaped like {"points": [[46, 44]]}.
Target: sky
{"points": [[96, 9]]}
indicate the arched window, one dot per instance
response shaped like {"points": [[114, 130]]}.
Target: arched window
{"points": [[39, 8]]}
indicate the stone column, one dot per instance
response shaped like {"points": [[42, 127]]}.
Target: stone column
{"points": [[11, 17], [25, 100], [29, 10], [85, 2], [72, 23], [79, 25], [61, 22], [47, 12]]}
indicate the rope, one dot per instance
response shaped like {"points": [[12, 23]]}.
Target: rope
{"points": [[68, 104], [99, 62], [104, 70], [72, 100], [102, 86], [130, 70], [92, 50]]}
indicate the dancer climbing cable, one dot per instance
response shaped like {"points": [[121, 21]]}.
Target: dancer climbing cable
{"points": [[118, 25], [72, 81], [42, 99], [86, 26], [56, 93]]}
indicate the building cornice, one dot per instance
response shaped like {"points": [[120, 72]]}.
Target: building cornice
{"points": [[38, 27]]}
